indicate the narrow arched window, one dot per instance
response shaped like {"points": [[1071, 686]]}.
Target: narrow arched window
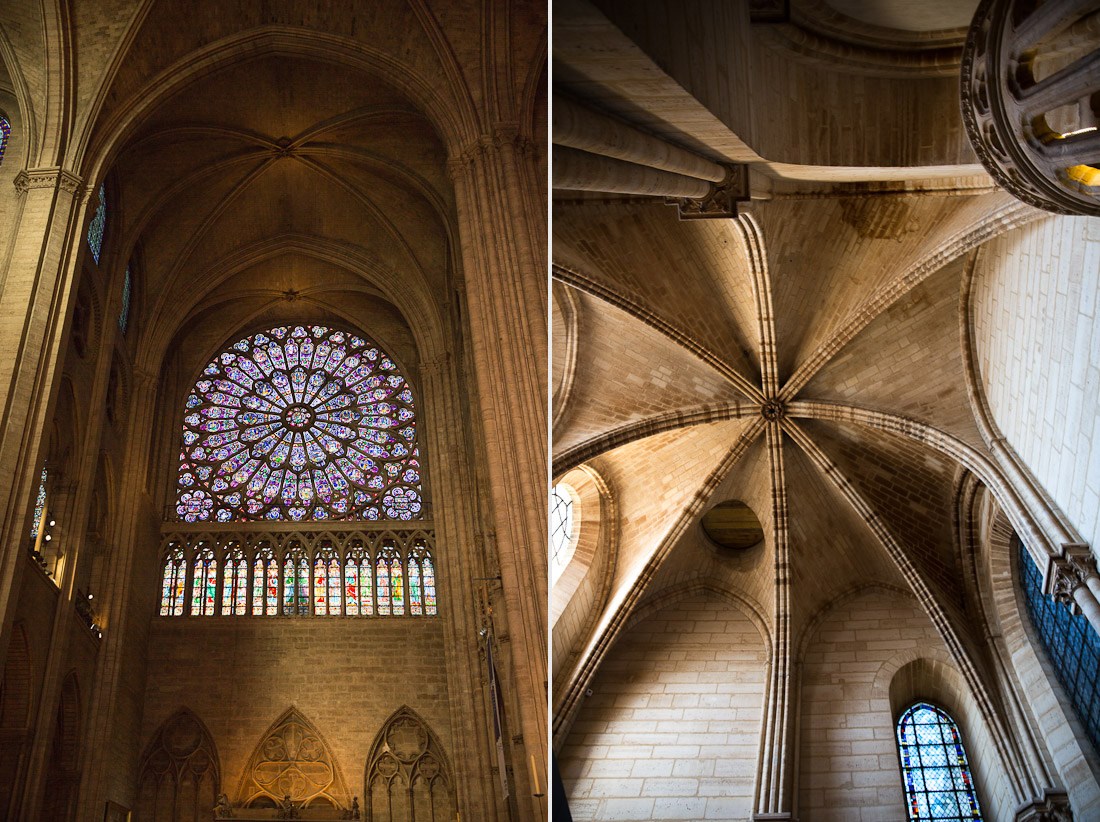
{"points": [[390, 579], [327, 599], [934, 767], [124, 312], [173, 582], [204, 584], [563, 543], [421, 580], [235, 583], [5, 134], [98, 223], [358, 590], [1071, 644], [295, 582], [39, 507], [265, 582]]}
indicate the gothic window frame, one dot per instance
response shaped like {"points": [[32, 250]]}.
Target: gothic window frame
{"points": [[363, 579], [204, 587], [349, 451], [127, 297], [564, 528], [97, 226], [5, 135], [235, 581], [173, 598], [911, 749]]}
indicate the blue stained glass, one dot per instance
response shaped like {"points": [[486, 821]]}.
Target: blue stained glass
{"points": [[5, 133], [935, 770], [124, 314], [1071, 644], [96, 226]]}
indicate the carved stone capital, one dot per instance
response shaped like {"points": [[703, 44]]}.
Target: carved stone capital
{"points": [[722, 199], [500, 138], [1053, 806], [51, 178]]}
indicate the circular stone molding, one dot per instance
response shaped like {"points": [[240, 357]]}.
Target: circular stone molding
{"points": [[732, 525]]}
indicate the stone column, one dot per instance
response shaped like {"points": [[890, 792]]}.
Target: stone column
{"points": [[33, 308], [502, 231], [111, 703], [458, 563]]}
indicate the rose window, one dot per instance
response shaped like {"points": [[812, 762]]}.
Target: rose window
{"points": [[300, 423]]}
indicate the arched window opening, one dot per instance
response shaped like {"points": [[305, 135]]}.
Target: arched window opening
{"points": [[358, 590], [421, 580], [935, 770], [390, 580], [39, 509], [300, 423], [204, 586], [5, 135], [124, 313], [295, 582], [235, 583], [1071, 645], [327, 599], [265, 583], [563, 542], [172, 586], [98, 223]]}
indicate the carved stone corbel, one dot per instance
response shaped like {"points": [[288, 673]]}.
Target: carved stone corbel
{"points": [[1052, 807], [722, 199]]}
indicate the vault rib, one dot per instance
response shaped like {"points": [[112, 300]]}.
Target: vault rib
{"points": [[1023, 784], [579, 281], [621, 607], [753, 237]]}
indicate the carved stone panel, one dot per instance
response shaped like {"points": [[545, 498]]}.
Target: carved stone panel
{"points": [[407, 774]]}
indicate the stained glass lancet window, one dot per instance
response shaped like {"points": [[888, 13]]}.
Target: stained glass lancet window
{"points": [[295, 583], [172, 587], [39, 507], [358, 590], [265, 583], [300, 423], [327, 582], [421, 580], [124, 313], [1071, 645], [204, 585], [562, 544], [5, 133], [235, 583], [96, 226], [934, 767]]}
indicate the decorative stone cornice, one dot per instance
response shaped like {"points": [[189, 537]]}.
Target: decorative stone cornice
{"points": [[722, 199], [52, 178], [1052, 807]]}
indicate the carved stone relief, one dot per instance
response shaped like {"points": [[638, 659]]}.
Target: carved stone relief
{"points": [[407, 774]]}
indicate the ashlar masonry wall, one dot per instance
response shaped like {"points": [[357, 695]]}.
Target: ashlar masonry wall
{"points": [[1037, 338], [672, 728], [346, 675]]}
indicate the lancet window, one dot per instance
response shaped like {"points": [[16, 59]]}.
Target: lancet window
{"points": [[563, 543], [934, 766], [97, 225], [124, 312], [5, 135], [352, 574], [1071, 644]]}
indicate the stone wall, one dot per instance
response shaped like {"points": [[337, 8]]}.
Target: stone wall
{"points": [[671, 730], [1037, 340], [345, 675]]}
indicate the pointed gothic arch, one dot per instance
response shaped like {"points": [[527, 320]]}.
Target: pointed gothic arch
{"points": [[63, 775], [292, 757], [180, 772], [407, 775], [15, 711]]}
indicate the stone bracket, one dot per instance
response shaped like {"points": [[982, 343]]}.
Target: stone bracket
{"points": [[1053, 806], [721, 201]]}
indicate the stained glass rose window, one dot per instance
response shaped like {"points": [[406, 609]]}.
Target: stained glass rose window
{"points": [[300, 423]]}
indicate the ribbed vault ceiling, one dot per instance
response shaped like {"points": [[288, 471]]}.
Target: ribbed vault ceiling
{"points": [[678, 334]]}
